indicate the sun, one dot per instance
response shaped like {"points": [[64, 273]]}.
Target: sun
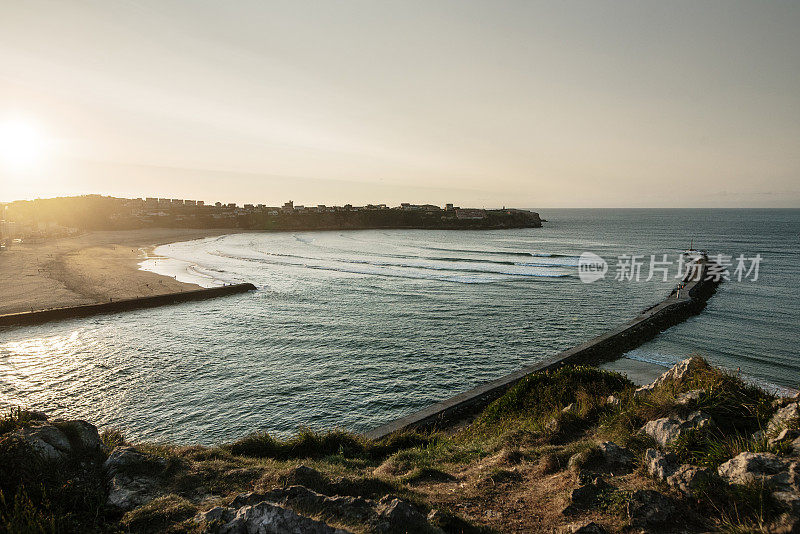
{"points": [[22, 145]]}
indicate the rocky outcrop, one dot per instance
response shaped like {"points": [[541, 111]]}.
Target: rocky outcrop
{"points": [[780, 475], [761, 468], [667, 429], [389, 514], [59, 439], [132, 478], [262, 517], [676, 375], [685, 478], [783, 418]]}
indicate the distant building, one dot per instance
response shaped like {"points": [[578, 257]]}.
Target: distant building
{"points": [[177, 201], [190, 203], [288, 206], [218, 204], [248, 206], [448, 207], [201, 203], [232, 205]]}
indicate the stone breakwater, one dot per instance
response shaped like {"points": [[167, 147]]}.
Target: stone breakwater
{"points": [[71, 312], [686, 300]]}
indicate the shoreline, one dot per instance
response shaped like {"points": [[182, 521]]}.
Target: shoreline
{"points": [[92, 268]]}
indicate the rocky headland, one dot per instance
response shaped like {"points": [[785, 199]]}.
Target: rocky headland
{"points": [[573, 450]]}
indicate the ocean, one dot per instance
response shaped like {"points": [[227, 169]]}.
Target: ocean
{"points": [[353, 329]]}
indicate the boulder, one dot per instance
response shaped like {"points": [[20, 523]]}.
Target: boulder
{"points": [[675, 375], [132, 478], [389, 514], [784, 435], [648, 508], [667, 429], [302, 475], [264, 517], [660, 465], [783, 417], [83, 436], [689, 478], [47, 441], [613, 400], [395, 515], [761, 468], [686, 478], [132, 460]]}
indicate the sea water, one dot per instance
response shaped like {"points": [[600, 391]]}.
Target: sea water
{"points": [[350, 329]]}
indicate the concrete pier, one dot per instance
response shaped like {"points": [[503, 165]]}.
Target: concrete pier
{"points": [[56, 314], [681, 303]]}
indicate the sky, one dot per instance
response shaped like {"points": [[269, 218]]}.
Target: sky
{"points": [[485, 104]]}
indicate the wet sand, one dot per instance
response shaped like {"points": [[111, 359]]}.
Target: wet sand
{"points": [[91, 268]]}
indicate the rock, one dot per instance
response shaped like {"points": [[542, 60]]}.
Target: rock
{"points": [[83, 436], [790, 500], [689, 397], [399, 516], [263, 517], [660, 465], [569, 407], [783, 417], [689, 478], [303, 475], [132, 478], [785, 524], [390, 515], [786, 434], [218, 513], [49, 442], [126, 493], [616, 456], [681, 370], [761, 468], [675, 375], [664, 468], [131, 460], [648, 508], [668, 429], [584, 527], [613, 400]]}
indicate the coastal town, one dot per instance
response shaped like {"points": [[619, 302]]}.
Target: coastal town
{"points": [[64, 216]]}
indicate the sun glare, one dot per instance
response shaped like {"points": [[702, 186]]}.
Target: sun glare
{"points": [[22, 145]]}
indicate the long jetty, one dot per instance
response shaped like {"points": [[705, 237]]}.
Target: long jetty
{"points": [[70, 312], [688, 299]]}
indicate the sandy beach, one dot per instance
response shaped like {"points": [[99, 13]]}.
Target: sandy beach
{"points": [[90, 268]]}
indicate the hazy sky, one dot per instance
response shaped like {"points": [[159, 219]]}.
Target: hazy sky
{"points": [[528, 104]]}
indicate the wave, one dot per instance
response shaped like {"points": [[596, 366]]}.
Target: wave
{"points": [[503, 252], [383, 267]]}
